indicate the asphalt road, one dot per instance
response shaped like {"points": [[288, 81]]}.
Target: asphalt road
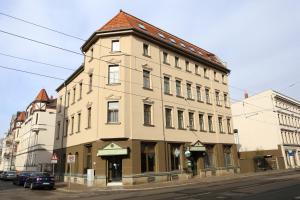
{"points": [[283, 186]]}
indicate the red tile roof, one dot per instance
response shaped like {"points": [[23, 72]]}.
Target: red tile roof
{"points": [[42, 96], [124, 20], [21, 116]]}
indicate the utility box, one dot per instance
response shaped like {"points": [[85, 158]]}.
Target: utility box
{"points": [[90, 177]]}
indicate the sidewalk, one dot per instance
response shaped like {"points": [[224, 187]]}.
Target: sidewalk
{"points": [[63, 186]]}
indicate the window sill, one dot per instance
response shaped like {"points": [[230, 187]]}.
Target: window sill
{"points": [[77, 132], [148, 125], [222, 132], [87, 128], [170, 127], [148, 56], [113, 123], [166, 63], [216, 80], [88, 92], [79, 99], [198, 74], [146, 88], [212, 131], [113, 84], [188, 71], [114, 52], [200, 101], [224, 83], [178, 67], [168, 94], [227, 106], [180, 96], [219, 105], [208, 103], [182, 129], [72, 103], [206, 77], [192, 129], [191, 99], [204, 131], [65, 135]]}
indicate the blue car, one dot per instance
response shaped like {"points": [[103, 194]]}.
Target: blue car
{"points": [[39, 180], [21, 178]]}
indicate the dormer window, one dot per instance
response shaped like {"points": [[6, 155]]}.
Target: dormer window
{"points": [[181, 44], [192, 49], [161, 35], [146, 49], [142, 26], [172, 40]]}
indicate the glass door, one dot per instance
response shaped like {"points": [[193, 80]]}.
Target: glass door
{"points": [[115, 169]]}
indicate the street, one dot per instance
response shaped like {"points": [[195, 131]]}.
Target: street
{"points": [[283, 186]]}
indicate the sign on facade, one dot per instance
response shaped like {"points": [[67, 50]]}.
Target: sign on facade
{"points": [[71, 159], [54, 158]]}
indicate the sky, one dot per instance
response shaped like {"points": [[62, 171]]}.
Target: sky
{"points": [[258, 39]]}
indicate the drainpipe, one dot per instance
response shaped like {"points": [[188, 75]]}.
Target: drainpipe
{"points": [[163, 118], [63, 131]]}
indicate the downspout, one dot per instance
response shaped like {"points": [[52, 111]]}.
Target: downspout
{"points": [[63, 132], [163, 118]]}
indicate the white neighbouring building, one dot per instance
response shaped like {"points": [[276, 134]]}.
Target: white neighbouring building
{"points": [[269, 123], [34, 139]]}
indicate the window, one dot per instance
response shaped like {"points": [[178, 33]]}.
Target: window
{"points": [[201, 122], [147, 114], [210, 124], [90, 82], [165, 57], [115, 45], [176, 61], [187, 65], [113, 74], [68, 99], [88, 156], [223, 78], [60, 104], [74, 94], [197, 69], [227, 156], [180, 119], [191, 120], [229, 125], [72, 125], [146, 79], [178, 88], [209, 157], [218, 98], [220, 124], [91, 54], [215, 76], [57, 130], [167, 85], [168, 113], [89, 113], [78, 121], [205, 73], [189, 90], [113, 112], [66, 127], [198, 91], [226, 100], [146, 49], [207, 95], [175, 157], [36, 118], [80, 90], [147, 157]]}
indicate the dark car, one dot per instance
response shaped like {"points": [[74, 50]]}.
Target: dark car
{"points": [[39, 180], [21, 178], [9, 175]]}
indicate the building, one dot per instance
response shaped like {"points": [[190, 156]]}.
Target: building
{"points": [[34, 134], [268, 126], [144, 106], [8, 145]]}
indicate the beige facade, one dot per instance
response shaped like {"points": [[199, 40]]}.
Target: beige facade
{"points": [[148, 103], [266, 122]]}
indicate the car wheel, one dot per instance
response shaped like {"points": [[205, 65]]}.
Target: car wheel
{"points": [[31, 186]]}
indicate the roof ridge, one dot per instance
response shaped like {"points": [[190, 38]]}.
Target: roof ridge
{"points": [[165, 32]]}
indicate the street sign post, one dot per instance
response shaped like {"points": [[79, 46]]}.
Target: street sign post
{"points": [[53, 161], [70, 160]]}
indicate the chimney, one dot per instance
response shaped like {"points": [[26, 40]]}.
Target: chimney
{"points": [[51, 97], [246, 95]]}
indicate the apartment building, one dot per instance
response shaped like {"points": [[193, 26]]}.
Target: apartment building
{"points": [[145, 106], [8, 154], [268, 126], [35, 135]]}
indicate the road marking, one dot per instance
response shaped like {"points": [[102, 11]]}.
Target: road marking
{"points": [[189, 196]]}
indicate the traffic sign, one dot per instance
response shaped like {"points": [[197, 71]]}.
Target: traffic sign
{"points": [[54, 158], [71, 159]]}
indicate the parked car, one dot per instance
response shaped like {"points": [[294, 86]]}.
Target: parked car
{"points": [[21, 178], [39, 180], [1, 175], [9, 175]]}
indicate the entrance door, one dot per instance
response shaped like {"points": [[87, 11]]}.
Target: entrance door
{"points": [[115, 169]]}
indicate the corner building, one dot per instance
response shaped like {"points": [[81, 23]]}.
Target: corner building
{"points": [[145, 106]]}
